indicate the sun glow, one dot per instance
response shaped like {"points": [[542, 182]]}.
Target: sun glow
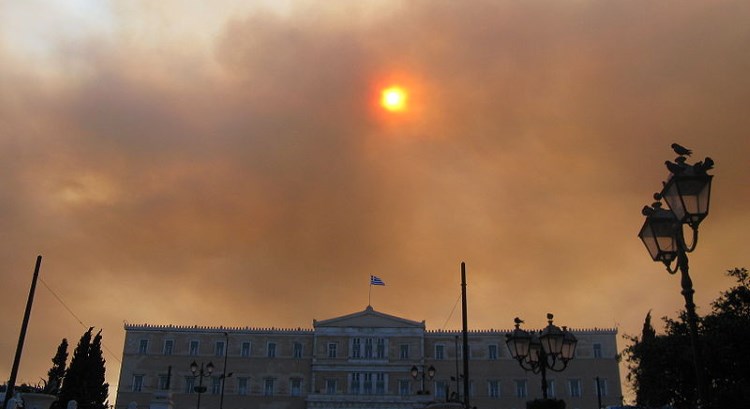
{"points": [[393, 99]]}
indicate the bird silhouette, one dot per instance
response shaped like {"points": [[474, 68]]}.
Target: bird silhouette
{"points": [[674, 168], [681, 150], [703, 166], [518, 320]]}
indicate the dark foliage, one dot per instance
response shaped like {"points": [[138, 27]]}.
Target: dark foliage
{"points": [[661, 369], [84, 379], [56, 373]]}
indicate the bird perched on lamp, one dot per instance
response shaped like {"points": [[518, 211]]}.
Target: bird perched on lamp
{"points": [[681, 150]]}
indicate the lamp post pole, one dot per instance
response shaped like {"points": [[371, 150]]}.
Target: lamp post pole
{"points": [[551, 350], [224, 375], [200, 374], [415, 372], [687, 192]]}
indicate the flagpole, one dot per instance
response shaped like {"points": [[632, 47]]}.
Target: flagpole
{"points": [[369, 296]]}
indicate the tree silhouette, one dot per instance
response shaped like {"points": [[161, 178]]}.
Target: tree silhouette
{"points": [[84, 379], [56, 374], [661, 369]]}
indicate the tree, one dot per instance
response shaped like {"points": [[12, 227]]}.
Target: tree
{"points": [[84, 379], [728, 330], [661, 369], [659, 366], [56, 374], [96, 375]]}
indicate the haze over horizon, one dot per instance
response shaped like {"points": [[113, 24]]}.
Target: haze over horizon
{"points": [[180, 163]]}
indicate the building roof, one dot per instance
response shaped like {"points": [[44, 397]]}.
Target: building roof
{"points": [[369, 318]]}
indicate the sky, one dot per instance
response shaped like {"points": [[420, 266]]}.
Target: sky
{"points": [[176, 162]]}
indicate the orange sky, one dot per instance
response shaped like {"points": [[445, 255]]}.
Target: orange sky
{"points": [[177, 163]]}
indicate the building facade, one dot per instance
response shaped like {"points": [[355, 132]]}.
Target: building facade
{"points": [[362, 360]]}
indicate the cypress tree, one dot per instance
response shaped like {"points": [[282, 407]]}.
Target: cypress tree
{"points": [[99, 389], [56, 374], [84, 379]]}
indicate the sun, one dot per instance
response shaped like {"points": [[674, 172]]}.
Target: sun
{"points": [[394, 99]]}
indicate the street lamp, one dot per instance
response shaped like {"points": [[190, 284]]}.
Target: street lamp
{"points": [[687, 192], [201, 373], [551, 350], [430, 372]]}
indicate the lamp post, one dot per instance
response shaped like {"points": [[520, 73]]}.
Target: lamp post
{"points": [[687, 192], [551, 350], [224, 375], [415, 372], [201, 373]]}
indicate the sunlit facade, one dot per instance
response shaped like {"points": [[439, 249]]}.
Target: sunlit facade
{"points": [[359, 361]]}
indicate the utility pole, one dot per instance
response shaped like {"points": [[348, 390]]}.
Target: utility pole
{"points": [[22, 337], [466, 336]]}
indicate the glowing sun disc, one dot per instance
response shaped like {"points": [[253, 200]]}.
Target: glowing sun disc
{"points": [[393, 99]]}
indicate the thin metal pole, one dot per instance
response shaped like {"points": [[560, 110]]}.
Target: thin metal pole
{"points": [[22, 337], [458, 377], [692, 317], [543, 371], [200, 387], [466, 335], [224, 376]]}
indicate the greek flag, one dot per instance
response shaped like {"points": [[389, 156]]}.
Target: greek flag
{"points": [[375, 280]]}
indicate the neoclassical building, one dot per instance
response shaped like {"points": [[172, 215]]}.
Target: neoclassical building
{"points": [[362, 360]]}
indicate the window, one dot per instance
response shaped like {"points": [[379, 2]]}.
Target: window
{"points": [[355, 384], [143, 347], [272, 350], [137, 383], [189, 384], [194, 347], [242, 386], [368, 348], [492, 352], [404, 387], [551, 388], [368, 384], [602, 384], [216, 385], [295, 387], [597, 350], [439, 351], [268, 386], [440, 389], [331, 386], [493, 389], [245, 349], [574, 388], [380, 384], [219, 348], [163, 382], [356, 348], [168, 346], [381, 348], [404, 351], [332, 350], [298, 350], [521, 389]]}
